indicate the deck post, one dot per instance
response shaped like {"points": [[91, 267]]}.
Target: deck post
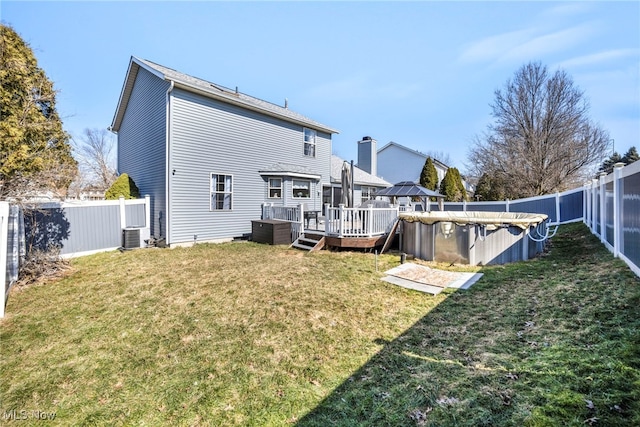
{"points": [[341, 220], [301, 217], [370, 220], [327, 218]]}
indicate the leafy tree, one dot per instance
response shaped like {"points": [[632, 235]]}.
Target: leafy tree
{"points": [[451, 186], [542, 139], [123, 187], [429, 175], [35, 155]]}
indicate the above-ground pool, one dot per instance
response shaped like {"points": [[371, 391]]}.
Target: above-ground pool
{"points": [[476, 238]]}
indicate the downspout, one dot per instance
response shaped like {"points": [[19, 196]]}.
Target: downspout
{"points": [[167, 217]]}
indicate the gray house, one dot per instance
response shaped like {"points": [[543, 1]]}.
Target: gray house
{"points": [[209, 156]]}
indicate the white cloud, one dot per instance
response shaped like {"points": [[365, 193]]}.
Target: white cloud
{"points": [[525, 44], [546, 44], [490, 48], [605, 57]]}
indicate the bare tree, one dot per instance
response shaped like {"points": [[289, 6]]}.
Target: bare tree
{"points": [[440, 156], [94, 153], [542, 140]]}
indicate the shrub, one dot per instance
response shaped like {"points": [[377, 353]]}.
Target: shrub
{"points": [[122, 187]]}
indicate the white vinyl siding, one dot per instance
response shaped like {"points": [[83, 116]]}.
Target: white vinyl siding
{"points": [[142, 145], [211, 136]]}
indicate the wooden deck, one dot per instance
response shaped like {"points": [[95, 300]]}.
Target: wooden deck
{"points": [[355, 242]]}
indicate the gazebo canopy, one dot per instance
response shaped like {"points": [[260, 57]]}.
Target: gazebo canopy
{"points": [[408, 189]]}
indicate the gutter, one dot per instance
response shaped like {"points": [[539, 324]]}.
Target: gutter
{"points": [[167, 160]]}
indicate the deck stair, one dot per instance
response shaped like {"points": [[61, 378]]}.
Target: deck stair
{"points": [[309, 242]]}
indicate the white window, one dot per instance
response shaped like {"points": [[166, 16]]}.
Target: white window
{"points": [[368, 193], [275, 188], [301, 189], [221, 192], [309, 142]]}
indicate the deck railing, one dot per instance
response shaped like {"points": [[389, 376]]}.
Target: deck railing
{"points": [[359, 222], [340, 221], [293, 214]]}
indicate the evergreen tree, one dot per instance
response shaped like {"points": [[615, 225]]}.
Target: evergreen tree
{"points": [[461, 189], [607, 165], [490, 188], [429, 175], [631, 156], [449, 187], [122, 187], [34, 149]]}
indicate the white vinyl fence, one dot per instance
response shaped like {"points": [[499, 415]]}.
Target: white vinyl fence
{"points": [[80, 228], [612, 212], [76, 228], [12, 249], [561, 208]]}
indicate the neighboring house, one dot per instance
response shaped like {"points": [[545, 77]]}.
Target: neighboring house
{"points": [[365, 184], [396, 163], [209, 156]]}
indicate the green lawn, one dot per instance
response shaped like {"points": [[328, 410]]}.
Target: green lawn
{"points": [[247, 334]]}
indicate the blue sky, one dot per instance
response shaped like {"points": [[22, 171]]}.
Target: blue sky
{"points": [[422, 74]]}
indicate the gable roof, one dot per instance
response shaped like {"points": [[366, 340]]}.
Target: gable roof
{"points": [[210, 90], [424, 156], [360, 177]]}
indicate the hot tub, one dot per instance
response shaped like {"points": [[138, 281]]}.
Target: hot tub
{"points": [[475, 238]]}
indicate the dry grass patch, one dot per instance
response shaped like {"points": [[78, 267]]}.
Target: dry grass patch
{"points": [[242, 334], [247, 334]]}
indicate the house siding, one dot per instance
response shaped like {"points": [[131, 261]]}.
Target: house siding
{"points": [[142, 144], [208, 136], [396, 165]]}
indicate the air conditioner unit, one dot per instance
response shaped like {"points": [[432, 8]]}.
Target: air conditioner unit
{"points": [[135, 237]]}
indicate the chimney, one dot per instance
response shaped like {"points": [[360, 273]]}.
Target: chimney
{"points": [[368, 155]]}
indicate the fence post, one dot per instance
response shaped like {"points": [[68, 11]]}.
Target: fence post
{"points": [[506, 205], [586, 207], [594, 192], [617, 208], [123, 218], [557, 207], [4, 240], [603, 200]]}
